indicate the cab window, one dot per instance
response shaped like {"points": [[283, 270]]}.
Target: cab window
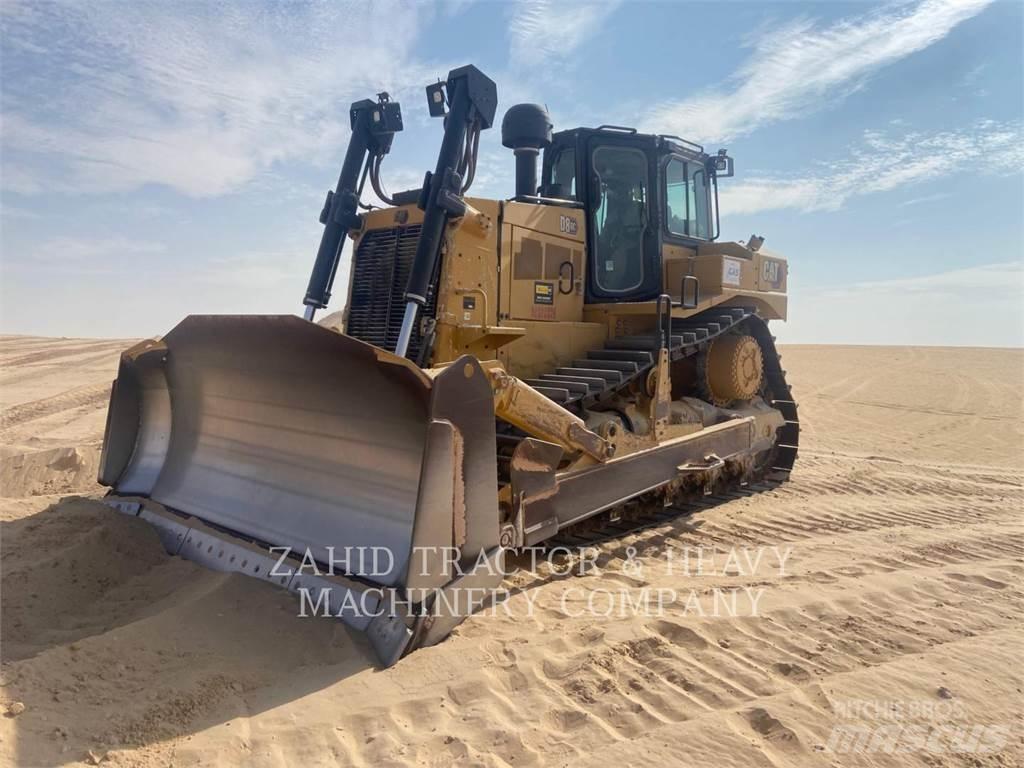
{"points": [[563, 176], [686, 199], [620, 217]]}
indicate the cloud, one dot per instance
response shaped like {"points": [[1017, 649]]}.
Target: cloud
{"points": [[1001, 279], [91, 254], [883, 163], [202, 98], [542, 31], [974, 306], [802, 66], [121, 287], [246, 271], [15, 212], [98, 256], [926, 199]]}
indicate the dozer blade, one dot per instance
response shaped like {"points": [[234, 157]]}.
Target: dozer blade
{"points": [[271, 431]]}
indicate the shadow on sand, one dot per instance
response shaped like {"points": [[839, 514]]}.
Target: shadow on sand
{"points": [[110, 642]]}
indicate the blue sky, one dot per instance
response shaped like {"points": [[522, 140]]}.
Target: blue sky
{"points": [[161, 159]]}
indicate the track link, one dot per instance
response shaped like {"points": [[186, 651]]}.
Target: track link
{"points": [[604, 373]]}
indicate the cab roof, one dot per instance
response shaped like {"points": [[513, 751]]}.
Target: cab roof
{"points": [[661, 142]]}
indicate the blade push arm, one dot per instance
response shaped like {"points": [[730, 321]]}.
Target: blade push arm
{"points": [[374, 125]]}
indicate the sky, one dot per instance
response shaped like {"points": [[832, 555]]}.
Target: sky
{"points": [[163, 159]]}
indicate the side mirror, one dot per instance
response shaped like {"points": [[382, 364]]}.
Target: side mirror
{"points": [[720, 165]]}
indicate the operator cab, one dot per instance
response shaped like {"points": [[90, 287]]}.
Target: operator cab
{"points": [[640, 192]]}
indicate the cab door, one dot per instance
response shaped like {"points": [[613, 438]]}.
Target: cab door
{"points": [[622, 223]]}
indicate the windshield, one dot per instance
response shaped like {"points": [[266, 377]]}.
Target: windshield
{"points": [[620, 217]]}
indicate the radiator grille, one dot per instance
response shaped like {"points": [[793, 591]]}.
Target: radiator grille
{"points": [[380, 273]]}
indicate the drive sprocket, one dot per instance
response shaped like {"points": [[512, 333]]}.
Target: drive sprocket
{"points": [[733, 369]]}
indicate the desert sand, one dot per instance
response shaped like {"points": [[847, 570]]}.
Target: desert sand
{"points": [[899, 604]]}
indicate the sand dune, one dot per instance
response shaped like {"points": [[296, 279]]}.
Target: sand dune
{"points": [[889, 579]]}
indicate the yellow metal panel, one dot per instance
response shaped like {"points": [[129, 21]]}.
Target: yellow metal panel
{"points": [[676, 261], [546, 346], [552, 219], [467, 300], [639, 317], [546, 277], [383, 218], [772, 272]]}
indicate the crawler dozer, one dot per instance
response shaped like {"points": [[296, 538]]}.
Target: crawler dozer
{"points": [[575, 361]]}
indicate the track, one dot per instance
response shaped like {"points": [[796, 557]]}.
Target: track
{"points": [[607, 372]]}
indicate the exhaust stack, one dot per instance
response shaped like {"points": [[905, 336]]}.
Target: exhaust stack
{"points": [[526, 129]]}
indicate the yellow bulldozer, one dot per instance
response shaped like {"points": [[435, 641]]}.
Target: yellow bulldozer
{"points": [[574, 362]]}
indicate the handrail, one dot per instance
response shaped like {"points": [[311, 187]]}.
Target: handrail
{"points": [[538, 200], [681, 140]]}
